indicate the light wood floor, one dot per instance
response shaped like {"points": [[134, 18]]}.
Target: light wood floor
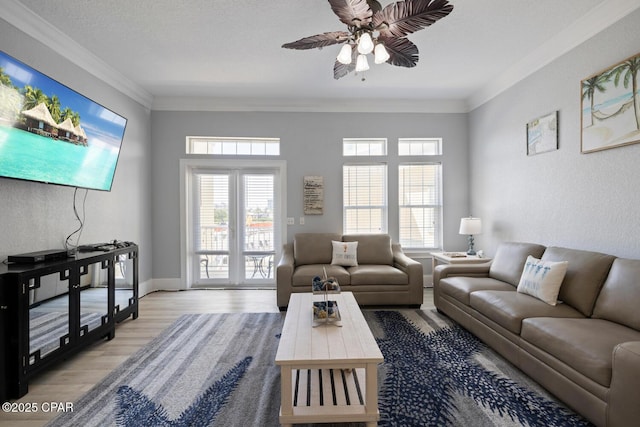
{"points": [[69, 380]]}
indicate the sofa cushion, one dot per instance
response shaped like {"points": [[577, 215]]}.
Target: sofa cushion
{"points": [[584, 344], [508, 309], [303, 275], [619, 299], [344, 253], [372, 248], [313, 248], [460, 287], [366, 274], [542, 279], [586, 273], [509, 260]]}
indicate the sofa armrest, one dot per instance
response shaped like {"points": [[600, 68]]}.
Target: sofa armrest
{"points": [[284, 275], [624, 394], [412, 268], [470, 270]]}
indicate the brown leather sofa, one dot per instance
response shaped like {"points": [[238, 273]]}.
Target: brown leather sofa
{"points": [[384, 274], [585, 350]]}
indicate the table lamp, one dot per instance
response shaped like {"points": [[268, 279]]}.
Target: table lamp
{"points": [[470, 226]]}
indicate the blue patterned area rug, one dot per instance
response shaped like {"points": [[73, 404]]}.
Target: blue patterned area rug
{"points": [[218, 370]]}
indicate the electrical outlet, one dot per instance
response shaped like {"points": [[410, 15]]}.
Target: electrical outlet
{"points": [[291, 221], [301, 220]]}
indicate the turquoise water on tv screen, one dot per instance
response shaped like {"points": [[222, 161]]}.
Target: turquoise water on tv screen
{"points": [[25, 155]]}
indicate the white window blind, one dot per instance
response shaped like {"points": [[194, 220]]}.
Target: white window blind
{"points": [[258, 207], [420, 205], [365, 198], [233, 146]]}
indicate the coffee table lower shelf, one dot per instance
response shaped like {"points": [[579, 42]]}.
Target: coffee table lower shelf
{"points": [[328, 395]]}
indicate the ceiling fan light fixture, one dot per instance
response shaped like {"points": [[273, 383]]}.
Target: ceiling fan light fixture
{"points": [[365, 44], [374, 29], [362, 64], [380, 54], [344, 57]]}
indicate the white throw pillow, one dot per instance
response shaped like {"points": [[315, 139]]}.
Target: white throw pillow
{"points": [[345, 253], [542, 279]]}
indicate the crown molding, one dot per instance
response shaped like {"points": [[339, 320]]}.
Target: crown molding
{"points": [[21, 17], [333, 105], [599, 18]]}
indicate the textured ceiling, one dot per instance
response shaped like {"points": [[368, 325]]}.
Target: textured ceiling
{"points": [[232, 49]]}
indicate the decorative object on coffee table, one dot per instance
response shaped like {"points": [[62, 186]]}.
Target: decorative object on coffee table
{"points": [[325, 311]]}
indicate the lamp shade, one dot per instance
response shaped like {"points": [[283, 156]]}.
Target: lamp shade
{"points": [[381, 54], [365, 44], [470, 226], [362, 64], [344, 57]]}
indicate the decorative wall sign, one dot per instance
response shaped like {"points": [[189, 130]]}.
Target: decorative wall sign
{"points": [[542, 134], [313, 195], [610, 107]]}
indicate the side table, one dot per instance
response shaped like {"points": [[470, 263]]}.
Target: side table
{"points": [[438, 258]]}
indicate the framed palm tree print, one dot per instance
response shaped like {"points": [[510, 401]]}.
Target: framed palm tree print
{"points": [[610, 107]]}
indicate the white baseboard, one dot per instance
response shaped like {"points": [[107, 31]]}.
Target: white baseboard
{"points": [[153, 285]]}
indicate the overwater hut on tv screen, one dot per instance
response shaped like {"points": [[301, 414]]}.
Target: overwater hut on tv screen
{"points": [[51, 133]]}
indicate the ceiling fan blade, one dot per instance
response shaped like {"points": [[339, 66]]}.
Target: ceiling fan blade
{"points": [[319, 40], [340, 70], [352, 12], [408, 16], [374, 5], [402, 52]]}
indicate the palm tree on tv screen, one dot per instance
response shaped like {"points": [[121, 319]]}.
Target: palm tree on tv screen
{"points": [[53, 104], [33, 97]]}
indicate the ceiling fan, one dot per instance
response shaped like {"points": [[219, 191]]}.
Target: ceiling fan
{"points": [[372, 29]]}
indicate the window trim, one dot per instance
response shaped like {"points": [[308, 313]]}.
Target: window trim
{"points": [[422, 140], [362, 141], [230, 144]]}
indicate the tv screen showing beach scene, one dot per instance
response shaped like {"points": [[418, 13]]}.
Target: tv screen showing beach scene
{"points": [[51, 133]]}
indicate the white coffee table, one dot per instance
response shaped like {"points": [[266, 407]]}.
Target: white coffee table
{"points": [[328, 374]]}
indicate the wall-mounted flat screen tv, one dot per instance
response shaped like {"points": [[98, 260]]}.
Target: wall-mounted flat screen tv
{"points": [[51, 133]]}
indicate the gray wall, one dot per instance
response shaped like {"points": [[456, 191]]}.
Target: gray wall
{"points": [[38, 216], [563, 198], [311, 145]]}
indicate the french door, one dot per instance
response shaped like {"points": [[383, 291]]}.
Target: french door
{"points": [[235, 225]]}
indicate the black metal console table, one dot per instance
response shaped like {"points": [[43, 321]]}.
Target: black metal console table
{"points": [[51, 310]]}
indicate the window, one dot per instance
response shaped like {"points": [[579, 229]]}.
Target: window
{"points": [[419, 146], [364, 198], [233, 146], [364, 147], [420, 205]]}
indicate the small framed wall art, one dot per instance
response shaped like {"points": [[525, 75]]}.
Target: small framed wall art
{"points": [[313, 195], [610, 107], [542, 134]]}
